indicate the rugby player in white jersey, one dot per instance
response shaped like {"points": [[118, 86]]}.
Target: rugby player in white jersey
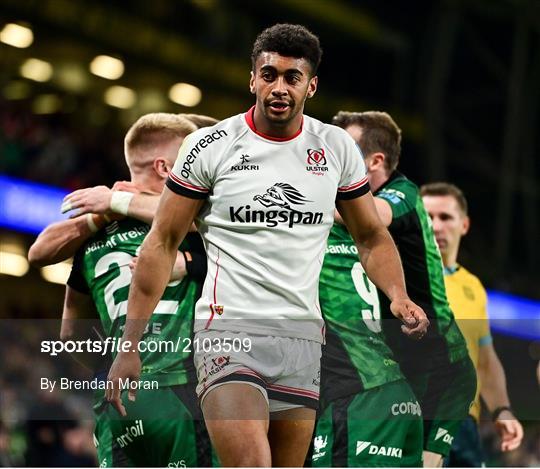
{"points": [[263, 187]]}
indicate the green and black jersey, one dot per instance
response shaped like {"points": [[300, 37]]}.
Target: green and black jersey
{"points": [[101, 268], [413, 234], [355, 356]]}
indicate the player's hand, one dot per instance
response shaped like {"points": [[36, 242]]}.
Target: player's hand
{"points": [[415, 321], [510, 431], [126, 365], [90, 200], [126, 186]]}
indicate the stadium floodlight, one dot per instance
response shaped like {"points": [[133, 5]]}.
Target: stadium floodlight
{"points": [[185, 94], [108, 67], [56, 273], [12, 263], [120, 97], [16, 35], [37, 70]]}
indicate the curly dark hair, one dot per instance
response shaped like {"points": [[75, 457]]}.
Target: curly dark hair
{"points": [[289, 40]]}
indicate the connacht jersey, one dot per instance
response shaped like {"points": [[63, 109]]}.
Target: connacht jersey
{"points": [[356, 355], [269, 207], [101, 267], [413, 234]]}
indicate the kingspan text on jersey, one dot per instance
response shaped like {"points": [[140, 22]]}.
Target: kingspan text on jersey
{"points": [[272, 218]]}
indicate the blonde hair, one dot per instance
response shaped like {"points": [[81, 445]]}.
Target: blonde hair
{"points": [[200, 120], [149, 132]]}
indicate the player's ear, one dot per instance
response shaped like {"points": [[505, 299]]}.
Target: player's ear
{"points": [[375, 161], [161, 167], [466, 224], [312, 87], [252, 82]]}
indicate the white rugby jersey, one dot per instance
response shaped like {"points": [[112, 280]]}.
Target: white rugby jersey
{"points": [[268, 211]]}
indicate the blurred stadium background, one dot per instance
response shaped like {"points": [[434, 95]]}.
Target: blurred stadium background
{"points": [[461, 78]]}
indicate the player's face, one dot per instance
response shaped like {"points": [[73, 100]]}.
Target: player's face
{"points": [[374, 162], [449, 222], [281, 85]]}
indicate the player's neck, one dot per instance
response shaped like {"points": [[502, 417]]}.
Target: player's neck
{"points": [[147, 183], [377, 179], [449, 260], [266, 127]]}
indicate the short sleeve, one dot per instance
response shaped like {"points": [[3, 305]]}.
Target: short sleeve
{"points": [[401, 201], [76, 278], [191, 176], [353, 182], [485, 332]]}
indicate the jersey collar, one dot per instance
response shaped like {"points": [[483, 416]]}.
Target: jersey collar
{"points": [[251, 124], [451, 270], [395, 175]]}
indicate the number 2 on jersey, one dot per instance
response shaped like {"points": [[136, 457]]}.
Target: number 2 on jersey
{"points": [[368, 292], [119, 308]]}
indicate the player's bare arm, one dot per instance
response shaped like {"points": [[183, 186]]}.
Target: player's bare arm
{"points": [[383, 209], [179, 270], [79, 319], [380, 258], [123, 199], [493, 391], [158, 254], [60, 240]]}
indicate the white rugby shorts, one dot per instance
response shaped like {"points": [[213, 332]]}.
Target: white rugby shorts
{"points": [[286, 370]]}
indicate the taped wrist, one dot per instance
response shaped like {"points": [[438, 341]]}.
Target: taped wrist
{"points": [[120, 201]]}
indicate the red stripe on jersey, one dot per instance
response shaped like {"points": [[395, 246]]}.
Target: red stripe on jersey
{"points": [[187, 185], [354, 186], [215, 278], [251, 124], [212, 313]]}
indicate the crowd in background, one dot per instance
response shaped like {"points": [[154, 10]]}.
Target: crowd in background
{"points": [[39, 427], [32, 145]]}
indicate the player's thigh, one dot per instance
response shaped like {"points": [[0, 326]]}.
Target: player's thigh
{"points": [[290, 435], [447, 402], [162, 428], [236, 416]]}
